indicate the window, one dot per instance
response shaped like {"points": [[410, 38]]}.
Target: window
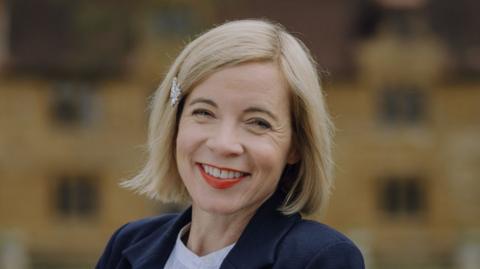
{"points": [[76, 196], [73, 104], [70, 38], [402, 104], [402, 196], [4, 42]]}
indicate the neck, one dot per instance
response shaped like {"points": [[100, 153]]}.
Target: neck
{"points": [[210, 232]]}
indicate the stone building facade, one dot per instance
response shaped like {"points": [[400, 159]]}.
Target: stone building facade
{"points": [[406, 110]]}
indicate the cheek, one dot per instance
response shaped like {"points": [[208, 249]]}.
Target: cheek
{"points": [[185, 147], [189, 140], [185, 134], [184, 142], [269, 158], [272, 149]]}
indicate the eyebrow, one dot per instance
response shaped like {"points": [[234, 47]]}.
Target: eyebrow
{"points": [[261, 110], [253, 109], [203, 100]]}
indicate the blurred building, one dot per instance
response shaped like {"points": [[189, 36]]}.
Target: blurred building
{"points": [[75, 79], [403, 85]]}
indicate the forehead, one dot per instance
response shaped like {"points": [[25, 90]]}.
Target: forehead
{"points": [[257, 82]]}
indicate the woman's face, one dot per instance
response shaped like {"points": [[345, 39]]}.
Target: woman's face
{"points": [[235, 138]]}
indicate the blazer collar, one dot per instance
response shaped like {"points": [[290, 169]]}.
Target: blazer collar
{"points": [[255, 248], [153, 250]]}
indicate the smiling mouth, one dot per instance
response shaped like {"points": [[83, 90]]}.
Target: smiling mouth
{"points": [[221, 178]]}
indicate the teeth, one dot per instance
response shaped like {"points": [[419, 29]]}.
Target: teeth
{"points": [[216, 172], [223, 174]]}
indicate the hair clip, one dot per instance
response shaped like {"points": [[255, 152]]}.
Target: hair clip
{"points": [[175, 92]]}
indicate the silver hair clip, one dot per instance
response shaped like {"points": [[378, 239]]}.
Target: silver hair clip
{"points": [[175, 92]]}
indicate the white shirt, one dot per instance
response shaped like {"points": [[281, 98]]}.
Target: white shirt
{"points": [[183, 258]]}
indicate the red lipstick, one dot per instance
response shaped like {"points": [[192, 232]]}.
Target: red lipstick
{"points": [[216, 182]]}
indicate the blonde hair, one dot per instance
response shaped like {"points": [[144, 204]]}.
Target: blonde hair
{"points": [[308, 182]]}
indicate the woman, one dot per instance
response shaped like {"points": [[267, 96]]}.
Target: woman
{"points": [[239, 128]]}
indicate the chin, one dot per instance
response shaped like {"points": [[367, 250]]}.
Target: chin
{"points": [[221, 208]]}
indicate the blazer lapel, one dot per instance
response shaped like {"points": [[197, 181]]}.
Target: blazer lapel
{"points": [[153, 251], [257, 246]]}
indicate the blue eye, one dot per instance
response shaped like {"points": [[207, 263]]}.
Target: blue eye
{"points": [[202, 113], [261, 123]]}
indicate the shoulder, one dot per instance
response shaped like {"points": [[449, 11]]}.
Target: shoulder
{"points": [[129, 234], [316, 245], [314, 234], [137, 230]]}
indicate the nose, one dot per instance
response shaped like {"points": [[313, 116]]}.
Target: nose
{"points": [[224, 141]]}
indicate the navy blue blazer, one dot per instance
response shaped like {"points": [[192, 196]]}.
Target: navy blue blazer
{"points": [[270, 240]]}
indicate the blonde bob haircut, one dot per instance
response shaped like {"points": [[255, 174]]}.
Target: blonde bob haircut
{"points": [[307, 182]]}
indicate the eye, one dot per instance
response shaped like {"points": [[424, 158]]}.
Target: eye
{"points": [[202, 113], [260, 124]]}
